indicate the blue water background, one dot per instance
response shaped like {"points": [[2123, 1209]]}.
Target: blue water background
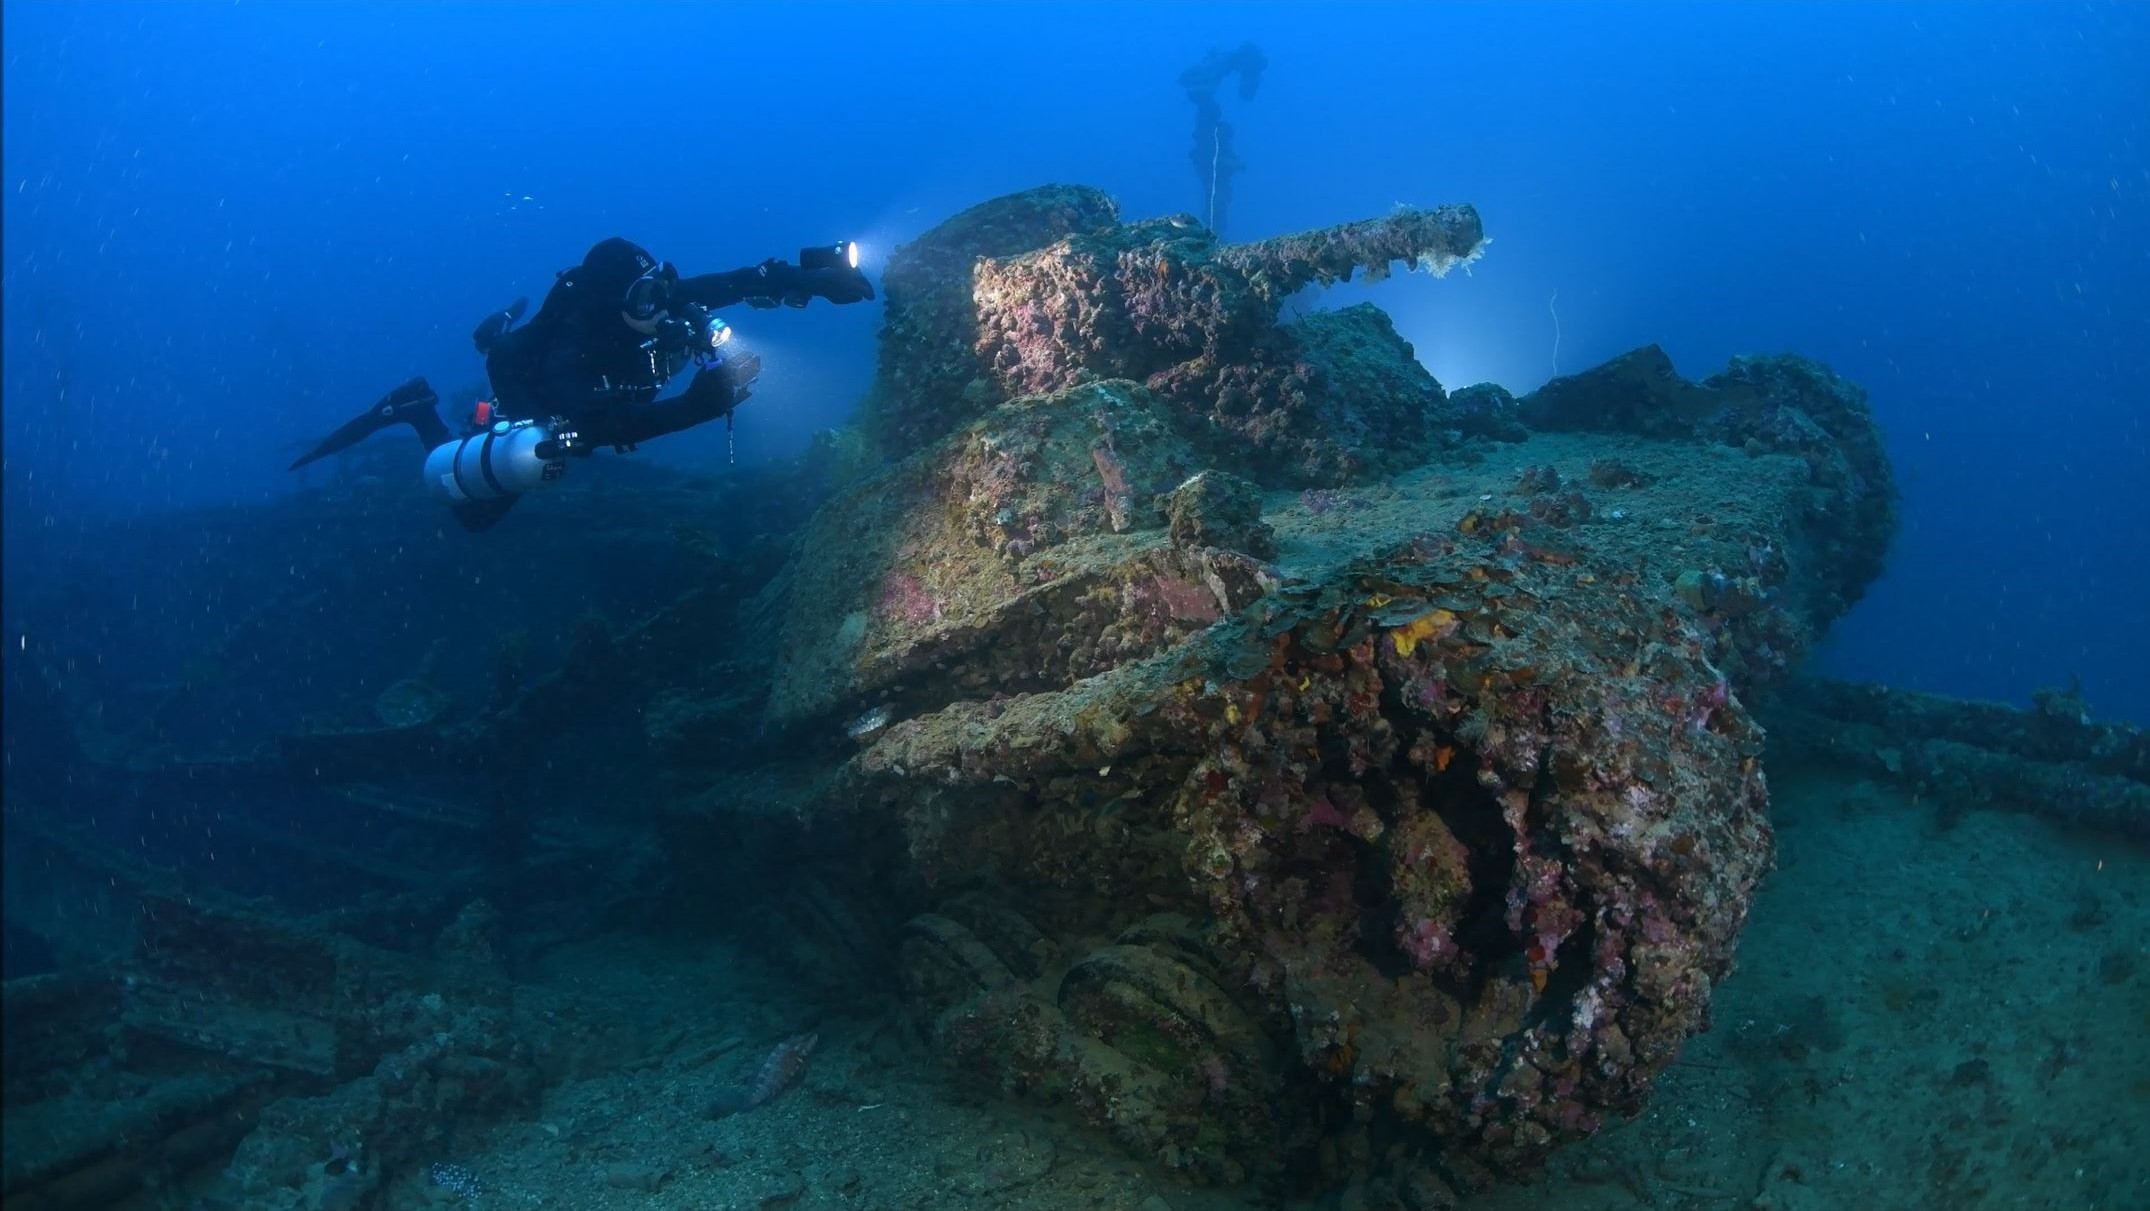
{"points": [[228, 226]]}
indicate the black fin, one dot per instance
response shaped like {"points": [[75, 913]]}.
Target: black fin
{"points": [[410, 404], [493, 327]]}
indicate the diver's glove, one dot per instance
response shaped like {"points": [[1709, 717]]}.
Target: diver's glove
{"points": [[791, 286], [716, 390], [838, 285], [493, 327]]}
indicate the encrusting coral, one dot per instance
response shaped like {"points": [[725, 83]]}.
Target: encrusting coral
{"points": [[1302, 769]]}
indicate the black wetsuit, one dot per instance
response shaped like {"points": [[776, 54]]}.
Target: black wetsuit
{"points": [[580, 362], [577, 359]]}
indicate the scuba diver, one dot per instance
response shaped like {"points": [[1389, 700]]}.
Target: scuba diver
{"points": [[586, 371]]}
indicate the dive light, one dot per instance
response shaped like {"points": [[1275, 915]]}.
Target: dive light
{"points": [[831, 256], [694, 333]]}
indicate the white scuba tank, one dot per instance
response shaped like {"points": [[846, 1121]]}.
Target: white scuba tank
{"points": [[508, 459]]}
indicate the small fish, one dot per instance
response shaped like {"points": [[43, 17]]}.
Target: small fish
{"points": [[868, 725], [785, 1065]]}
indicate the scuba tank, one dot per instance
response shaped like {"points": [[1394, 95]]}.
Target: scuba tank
{"points": [[505, 458]]}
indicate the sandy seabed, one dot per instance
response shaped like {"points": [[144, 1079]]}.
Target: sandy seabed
{"points": [[1932, 1009]]}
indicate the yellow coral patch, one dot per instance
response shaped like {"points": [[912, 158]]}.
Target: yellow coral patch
{"points": [[1431, 625]]}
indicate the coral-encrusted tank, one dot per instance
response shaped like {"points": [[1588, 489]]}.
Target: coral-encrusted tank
{"points": [[1307, 784]]}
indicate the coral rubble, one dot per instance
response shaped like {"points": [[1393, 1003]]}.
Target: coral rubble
{"points": [[306, 1067]]}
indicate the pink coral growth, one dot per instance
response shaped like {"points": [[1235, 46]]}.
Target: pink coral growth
{"points": [[1427, 942], [905, 599], [1658, 931], [1165, 598], [1322, 813], [1708, 703]]}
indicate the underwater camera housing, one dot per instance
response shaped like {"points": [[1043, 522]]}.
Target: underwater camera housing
{"points": [[830, 256], [691, 334], [694, 330]]}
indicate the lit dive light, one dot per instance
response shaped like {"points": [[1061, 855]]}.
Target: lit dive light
{"points": [[831, 256]]}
